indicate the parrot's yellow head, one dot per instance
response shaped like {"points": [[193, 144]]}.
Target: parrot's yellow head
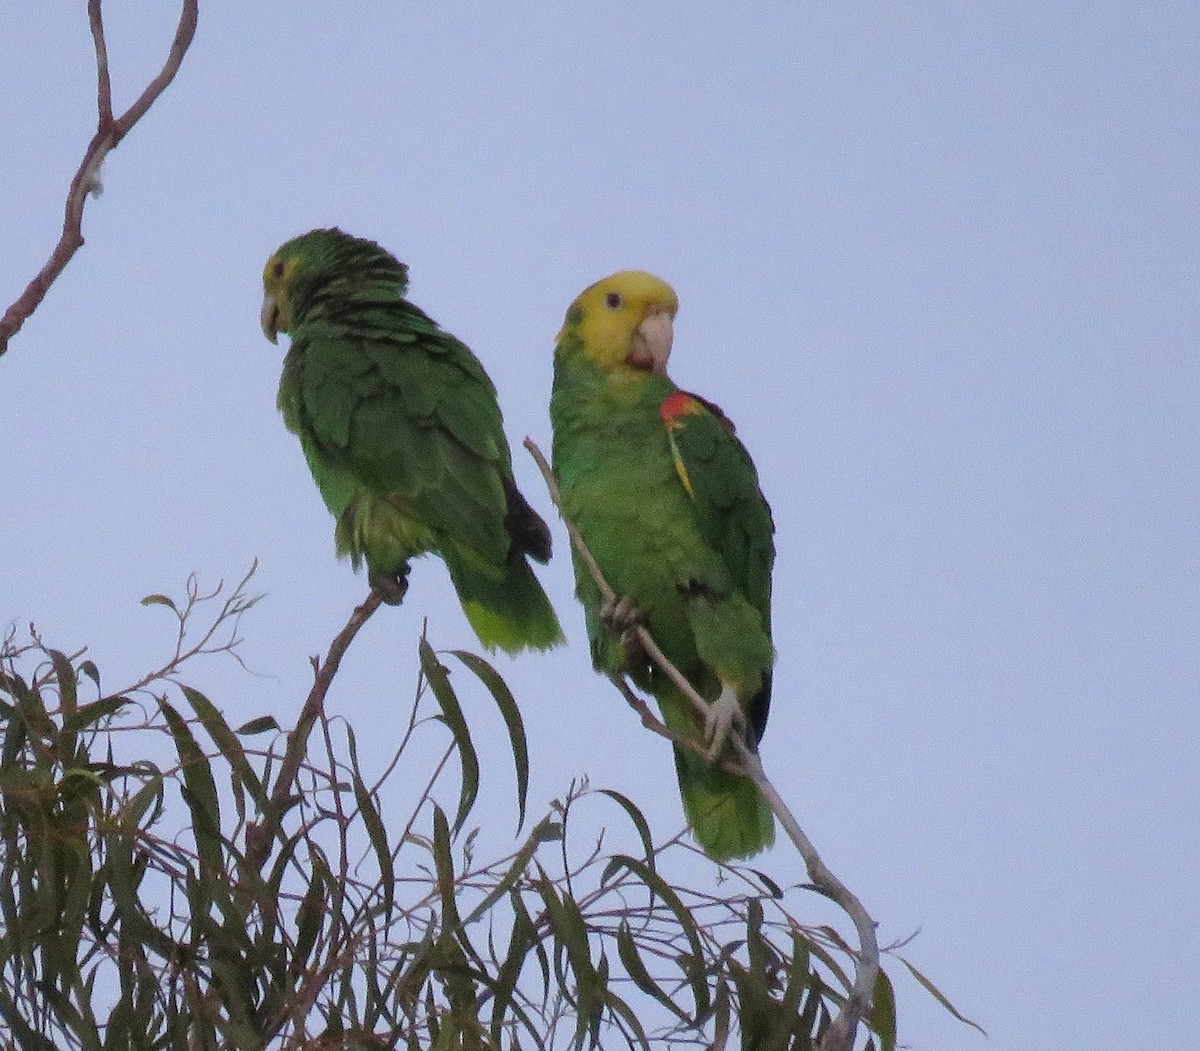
{"points": [[624, 323], [276, 313]]}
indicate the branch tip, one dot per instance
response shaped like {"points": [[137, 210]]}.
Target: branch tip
{"points": [[86, 182]]}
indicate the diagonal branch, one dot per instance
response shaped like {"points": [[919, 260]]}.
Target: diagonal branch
{"points": [[110, 131], [841, 1031], [258, 837]]}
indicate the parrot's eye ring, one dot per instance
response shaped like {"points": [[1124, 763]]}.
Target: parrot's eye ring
{"points": [[613, 299], [277, 269]]}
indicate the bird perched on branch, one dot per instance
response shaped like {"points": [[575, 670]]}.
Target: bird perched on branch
{"points": [[667, 500], [403, 435]]}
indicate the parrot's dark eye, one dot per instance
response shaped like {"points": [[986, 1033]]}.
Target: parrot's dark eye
{"points": [[277, 269], [613, 299]]}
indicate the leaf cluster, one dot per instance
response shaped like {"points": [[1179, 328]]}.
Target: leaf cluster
{"points": [[156, 893]]}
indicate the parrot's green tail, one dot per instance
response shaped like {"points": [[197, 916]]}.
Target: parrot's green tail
{"points": [[728, 814], [510, 611]]}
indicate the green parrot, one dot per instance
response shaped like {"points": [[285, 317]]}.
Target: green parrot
{"points": [[403, 435], [667, 499]]}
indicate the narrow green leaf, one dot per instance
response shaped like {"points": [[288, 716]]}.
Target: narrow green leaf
{"points": [[507, 704], [226, 740], [799, 980], [632, 960], [660, 888], [571, 935], [639, 822], [762, 956], [88, 714], [64, 674], [521, 914], [444, 864], [199, 791], [523, 939], [828, 959], [311, 914], [159, 600], [619, 1006], [89, 669], [755, 1015], [32, 711], [721, 1016], [439, 682], [882, 1018], [257, 726], [813, 1011], [514, 873], [771, 886], [484, 979], [14, 741], [150, 794], [124, 873], [940, 997], [375, 828]]}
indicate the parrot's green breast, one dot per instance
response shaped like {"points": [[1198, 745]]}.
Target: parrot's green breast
{"points": [[620, 487]]}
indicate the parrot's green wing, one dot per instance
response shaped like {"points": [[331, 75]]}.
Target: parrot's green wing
{"points": [[411, 423], [728, 507], [728, 814]]}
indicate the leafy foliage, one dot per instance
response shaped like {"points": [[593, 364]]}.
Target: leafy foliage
{"points": [[155, 894]]}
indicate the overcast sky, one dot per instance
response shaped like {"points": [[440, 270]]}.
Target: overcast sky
{"points": [[939, 263]]}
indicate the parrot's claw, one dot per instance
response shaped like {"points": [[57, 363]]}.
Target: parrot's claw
{"points": [[724, 715], [623, 616], [621, 613], [392, 587]]}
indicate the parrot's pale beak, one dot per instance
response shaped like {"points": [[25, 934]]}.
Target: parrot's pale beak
{"points": [[652, 341], [270, 318]]}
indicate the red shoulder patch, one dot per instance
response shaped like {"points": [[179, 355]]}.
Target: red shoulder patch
{"points": [[674, 406]]}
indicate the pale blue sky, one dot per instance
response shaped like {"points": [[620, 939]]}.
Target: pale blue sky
{"points": [[939, 263]]}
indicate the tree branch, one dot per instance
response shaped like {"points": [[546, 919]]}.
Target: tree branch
{"points": [[109, 132], [841, 1032], [258, 837]]}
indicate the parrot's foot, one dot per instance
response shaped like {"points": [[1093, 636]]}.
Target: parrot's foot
{"points": [[392, 587], [621, 613], [624, 616], [724, 715]]}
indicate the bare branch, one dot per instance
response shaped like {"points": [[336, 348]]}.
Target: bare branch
{"points": [[103, 82], [841, 1032], [109, 132], [258, 838], [183, 40]]}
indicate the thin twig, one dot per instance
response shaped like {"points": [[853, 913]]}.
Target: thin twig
{"points": [[258, 838], [103, 82], [109, 132], [841, 1031], [314, 704]]}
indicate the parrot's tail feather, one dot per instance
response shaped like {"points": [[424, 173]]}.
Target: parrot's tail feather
{"points": [[728, 814], [509, 610]]}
